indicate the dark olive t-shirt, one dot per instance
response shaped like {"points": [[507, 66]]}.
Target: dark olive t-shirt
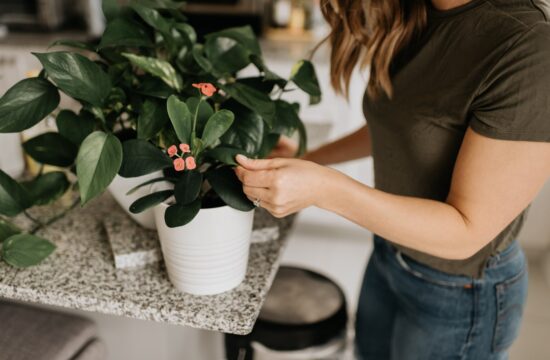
{"points": [[483, 65]]}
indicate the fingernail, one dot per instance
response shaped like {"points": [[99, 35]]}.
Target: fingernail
{"points": [[241, 157]]}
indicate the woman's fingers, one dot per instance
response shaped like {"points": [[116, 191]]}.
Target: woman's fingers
{"points": [[257, 193], [260, 178], [257, 164]]}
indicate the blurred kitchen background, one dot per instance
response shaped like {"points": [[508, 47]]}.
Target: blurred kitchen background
{"points": [[289, 30]]}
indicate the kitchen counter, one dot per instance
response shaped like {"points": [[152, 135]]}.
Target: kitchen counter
{"points": [[81, 274]]}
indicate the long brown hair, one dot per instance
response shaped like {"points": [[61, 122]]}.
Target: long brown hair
{"points": [[370, 32]]}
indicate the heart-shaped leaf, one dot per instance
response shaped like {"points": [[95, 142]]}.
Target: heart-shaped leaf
{"points": [[269, 143], [24, 250], [287, 118], [47, 188], [126, 33], [7, 229], [75, 127], [73, 44], [159, 68], [155, 87], [97, 164], [148, 201], [304, 76], [142, 158], [227, 185], [181, 118], [216, 126], [242, 35], [77, 76], [13, 197], [152, 17], [247, 132], [181, 214], [253, 99], [51, 149], [225, 154], [26, 103], [187, 189], [152, 119], [110, 8]]}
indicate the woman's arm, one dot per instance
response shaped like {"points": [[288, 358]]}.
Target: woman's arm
{"points": [[351, 147], [493, 181], [356, 145]]}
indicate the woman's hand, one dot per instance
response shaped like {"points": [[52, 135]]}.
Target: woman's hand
{"points": [[284, 186], [286, 148]]}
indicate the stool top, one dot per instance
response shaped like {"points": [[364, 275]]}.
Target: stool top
{"points": [[301, 297]]}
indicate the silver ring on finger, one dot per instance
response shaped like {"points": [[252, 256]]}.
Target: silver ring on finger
{"points": [[257, 202]]}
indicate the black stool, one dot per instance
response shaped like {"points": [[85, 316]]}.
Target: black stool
{"points": [[304, 313]]}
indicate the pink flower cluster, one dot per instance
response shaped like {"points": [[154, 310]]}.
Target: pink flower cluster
{"points": [[181, 162], [206, 89]]}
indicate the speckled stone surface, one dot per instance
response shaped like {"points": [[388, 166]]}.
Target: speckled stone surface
{"points": [[81, 274]]}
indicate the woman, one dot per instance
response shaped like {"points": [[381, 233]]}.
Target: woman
{"points": [[458, 114]]}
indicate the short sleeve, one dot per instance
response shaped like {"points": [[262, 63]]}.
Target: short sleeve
{"points": [[513, 102]]}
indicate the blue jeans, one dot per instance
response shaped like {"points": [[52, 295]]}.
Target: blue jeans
{"points": [[410, 311]]}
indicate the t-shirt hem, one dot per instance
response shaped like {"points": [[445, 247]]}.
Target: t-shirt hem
{"points": [[515, 135]]}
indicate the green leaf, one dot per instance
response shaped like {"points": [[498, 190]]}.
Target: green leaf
{"points": [[77, 76], [288, 120], [155, 87], [152, 17], [74, 127], [148, 201], [181, 214], [269, 143], [152, 118], [125, 33], [73, 44], [188, 30], [97, 164], [304, 76], [142, 158], [26, 103], [160, 68], [181, 118], [247, 132], [243, 35], [111, 9], [149, 182], [13, 197], [216, 126], [226, 184], [24, 250], [47, 188], [303, 139], [205, 112], [199, 57], [7, 229], [187, 189], [253, 99], [225, 154], [51, 149]]}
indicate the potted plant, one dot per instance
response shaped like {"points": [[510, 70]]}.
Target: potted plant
{"points": [[135, 87]]}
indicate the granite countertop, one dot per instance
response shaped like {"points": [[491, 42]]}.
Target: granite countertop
{"points": [[81, 275]]}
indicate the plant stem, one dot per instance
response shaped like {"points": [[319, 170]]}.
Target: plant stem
{"points": [[56, 217], [32, 218]]}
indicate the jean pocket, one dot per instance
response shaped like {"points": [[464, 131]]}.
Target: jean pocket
{"points": [[429, 275], [510, 297]]}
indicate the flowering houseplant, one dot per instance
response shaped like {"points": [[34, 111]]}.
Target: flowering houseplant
{"points": [[130, 85]]}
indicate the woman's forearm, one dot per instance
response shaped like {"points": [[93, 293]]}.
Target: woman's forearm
{"points": [[354, 146], [433, 227]]}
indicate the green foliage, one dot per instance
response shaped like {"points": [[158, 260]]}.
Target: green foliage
{"points": [[52, 149], [181, 118], [188, 187], [26, 103], [140, 157], [7, 229], [13, 197], [181, 214], [74, 127], [77, 76], [97, 164], [216, 126], [150, 200], [303, 75], [227, 185], [24, 250], [47, 188]]}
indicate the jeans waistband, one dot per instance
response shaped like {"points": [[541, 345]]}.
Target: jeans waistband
{"points": [[504, 255]]}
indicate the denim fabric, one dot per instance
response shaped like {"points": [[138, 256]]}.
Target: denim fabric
{"points": [[409, 311]]}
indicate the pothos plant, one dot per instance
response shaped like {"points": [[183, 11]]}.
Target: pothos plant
{"points": [[137, 99]]}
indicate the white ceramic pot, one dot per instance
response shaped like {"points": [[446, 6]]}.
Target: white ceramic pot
{"points": [[210, 254], [121, 185]]}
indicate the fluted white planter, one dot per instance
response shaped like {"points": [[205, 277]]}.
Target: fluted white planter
{"points": [[210, 254], [121, 185]]}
